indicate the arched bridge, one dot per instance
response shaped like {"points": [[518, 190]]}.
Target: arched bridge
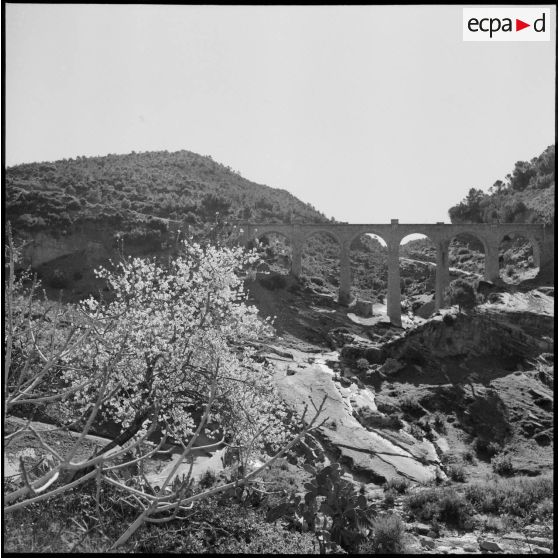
{"points": [[540, 236]]}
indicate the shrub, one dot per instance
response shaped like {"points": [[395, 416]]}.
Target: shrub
{"points": [[208, 479], [439, 422], [362, 364], [545, 509], [328, 495], [456, 472], [462, 293], [399, 484], [502, 465], [454, 509], [416, 431], [495, 524], [518, 496], [410, 404], [485, 448], [442, 504], [387, 536], [469, 457], [389, 497]]}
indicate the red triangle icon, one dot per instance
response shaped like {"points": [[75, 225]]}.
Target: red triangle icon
{"points": [[519, 25]]}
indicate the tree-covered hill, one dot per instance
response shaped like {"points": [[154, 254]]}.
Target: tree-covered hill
{"points": [[524, 196], [139, 189]]}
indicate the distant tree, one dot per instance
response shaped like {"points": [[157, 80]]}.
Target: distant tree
{"points": [[462, 293]]}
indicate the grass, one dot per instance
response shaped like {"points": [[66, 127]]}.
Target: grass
{"points": [[525, 497], [457, 473], [389, 497], [502, 465], [399, 484], [440, 504], [222, 524], [387, 536], [411, 404]]}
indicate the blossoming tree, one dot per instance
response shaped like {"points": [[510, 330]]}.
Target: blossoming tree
{"points": [[171, 349]]}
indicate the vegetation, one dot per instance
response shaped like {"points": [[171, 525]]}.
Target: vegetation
{"points": [[526, 195], [399, 484], [520, 496], [223, 524], [502, 465], [441, 504], [169, 351], [462, 293], [387, 536], [331, 508], [138, 192]]}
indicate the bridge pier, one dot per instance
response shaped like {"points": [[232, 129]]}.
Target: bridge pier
{"points": [[394, 285], [541, 237], [345, 275], [296, 259], [442, 273], [491, 262]]}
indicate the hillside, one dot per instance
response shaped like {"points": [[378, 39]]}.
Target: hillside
{"points": [[131, 191], [524, 196]]}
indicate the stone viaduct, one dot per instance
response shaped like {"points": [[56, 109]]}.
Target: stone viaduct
{"points": [[540, 236]]}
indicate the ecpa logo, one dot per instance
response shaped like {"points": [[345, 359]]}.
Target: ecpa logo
{"points": [[506, 24]]}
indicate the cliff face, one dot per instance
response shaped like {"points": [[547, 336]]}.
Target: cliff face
{"points": [[494, 329]]}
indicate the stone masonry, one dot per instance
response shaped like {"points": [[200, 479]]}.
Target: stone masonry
{"points": [[540, 236]]}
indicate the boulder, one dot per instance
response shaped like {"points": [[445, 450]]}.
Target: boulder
{"points": [[362, 348], [491, 546], [426, 310], [371, 455], [363, 308]]}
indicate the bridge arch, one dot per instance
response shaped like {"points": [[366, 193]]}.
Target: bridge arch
{"points": [[488, 236], [353, 236], [367, 266], [320, 251], [519, 256], [322, 231], [279, 248], [418, 268], [467, 254]]}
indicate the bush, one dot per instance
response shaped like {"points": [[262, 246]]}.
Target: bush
{"points": [[469, 457], [416, 431], [454, 509], [518, 496], [456, 472], [362, 364], [502, 465], [462, 293], [441, 504], [485, 448], [545, 509], [387, 536], [439, 422], [410, 404], [399, 484], [389, 497], [208, 479]]}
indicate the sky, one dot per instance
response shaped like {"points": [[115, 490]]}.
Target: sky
{"points": [[369, 113]]}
